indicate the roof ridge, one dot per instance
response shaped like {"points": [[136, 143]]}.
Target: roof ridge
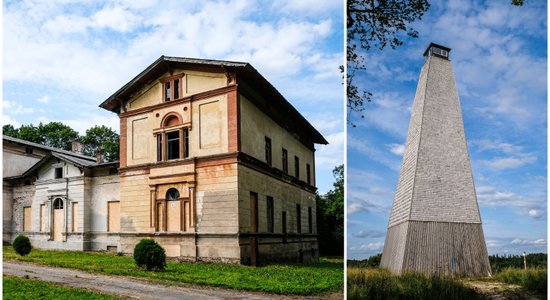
{"points": [[53, 149]]}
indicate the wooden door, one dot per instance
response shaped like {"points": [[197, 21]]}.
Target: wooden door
{"points": [[253, 212], [58, 215], [113, 216], [27, 218], [173, 215]]}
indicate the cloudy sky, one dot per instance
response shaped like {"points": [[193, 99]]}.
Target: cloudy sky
{"points": [[499, 59], [63, 58]]}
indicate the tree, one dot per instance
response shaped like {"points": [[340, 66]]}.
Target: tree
{"points": [[376, 23], [9, 130], [57, 135], [30, 133], [330, 217], [101, 138]]}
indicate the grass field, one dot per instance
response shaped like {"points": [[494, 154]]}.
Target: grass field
{"points": [[24, 289], [374, 283], [534, 280], [297, 279]]}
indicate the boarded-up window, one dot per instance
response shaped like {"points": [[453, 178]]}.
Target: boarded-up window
{"points": [[269, 214], [298, 218], [210, 125], [74, 214], [27, 218], [173, 210], [253, 212], [310, 219], [43, 217], [113, 216], [140, 138]]}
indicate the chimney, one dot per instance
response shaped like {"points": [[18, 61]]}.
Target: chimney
{"points": [[76, 147], [99, 157]]}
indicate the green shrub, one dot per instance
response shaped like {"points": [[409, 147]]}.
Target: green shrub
{"points": [[531, 279], [22, 245], [150, 255]]}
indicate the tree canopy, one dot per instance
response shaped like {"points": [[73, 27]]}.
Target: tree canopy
{"points": [[59, 135], [330, 216], [375, 23]]}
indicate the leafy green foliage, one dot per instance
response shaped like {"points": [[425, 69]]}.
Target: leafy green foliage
{"points": [[375, 24], [297, 279], [531, 279], [534, 260], [101, 138], [150, 255], [381, 284], [57, 135], [9, 130], [20, 288], [22, 245], [330, 217], [371, 262]]}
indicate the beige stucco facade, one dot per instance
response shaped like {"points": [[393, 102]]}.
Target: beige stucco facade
{"points": [[215, 165]]}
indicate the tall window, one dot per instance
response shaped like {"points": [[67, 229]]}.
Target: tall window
{"points": [[176, 89], [253, 212], [173, 145], [269, 214], [268, 150], [297, 167], [167, 92], [310, 219], [298, 218], [308, 174], [159, 147], [285, 161], [283, 222], [185, 142]]}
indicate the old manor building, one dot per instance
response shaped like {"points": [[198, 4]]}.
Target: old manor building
{"points": [[215, 165]]}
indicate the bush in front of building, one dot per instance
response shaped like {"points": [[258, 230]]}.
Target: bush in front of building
{"points": [[149, 255], [22, 245]]}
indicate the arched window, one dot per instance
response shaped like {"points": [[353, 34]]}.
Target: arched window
{"points": [[172, 194], [58, 203], [174, 142]]}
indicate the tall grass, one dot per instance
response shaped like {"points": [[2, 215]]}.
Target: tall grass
{"points": [[381, 284], [531, 279]]}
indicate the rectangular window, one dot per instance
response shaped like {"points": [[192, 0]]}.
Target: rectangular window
{"points": [[308, 174], [58, 173], [297, 167], [42, 217], [310, 219], [285, 161], [159, 147], [176, 89], [283, 224], [167, 91], [185, 142], [268, 150], [269, 214], [298, 218], [253, 212], [74, 216], [27, 218], [113, 216], [173, 145], [28, 150]]}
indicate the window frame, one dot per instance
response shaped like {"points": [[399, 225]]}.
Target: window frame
{"points": [[296, 167], [270, 211], [175, 92], [285, 161], [308, 174], [58, 173], [298, 218], [268, 152]]}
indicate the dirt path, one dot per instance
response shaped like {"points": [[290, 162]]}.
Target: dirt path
{"points": [[500, 291], [129, 287]]}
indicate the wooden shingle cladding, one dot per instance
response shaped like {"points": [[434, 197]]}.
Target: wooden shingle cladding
{"points": [[435, 224]]}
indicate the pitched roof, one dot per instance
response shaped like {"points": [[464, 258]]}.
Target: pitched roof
{"points": [[288, 117], [57, 150]]}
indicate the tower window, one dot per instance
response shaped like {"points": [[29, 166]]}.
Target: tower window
{"points": [[58, 173], [167, 91], [173, 145]]}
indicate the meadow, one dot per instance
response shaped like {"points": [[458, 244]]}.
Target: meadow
{"points": [[324, 277]]}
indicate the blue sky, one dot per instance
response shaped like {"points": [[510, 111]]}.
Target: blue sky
{"points": [[63, 58], [500, 64]]}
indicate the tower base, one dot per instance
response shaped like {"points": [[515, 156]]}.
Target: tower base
{"points": [[436, 248]]}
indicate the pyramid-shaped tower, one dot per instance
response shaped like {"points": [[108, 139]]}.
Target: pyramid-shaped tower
{"points": [[435, 225]]}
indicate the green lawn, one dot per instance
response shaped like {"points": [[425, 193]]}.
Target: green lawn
{"points": [[21, 288], [298, 279]]}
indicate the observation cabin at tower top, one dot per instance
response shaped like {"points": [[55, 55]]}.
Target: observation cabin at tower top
{"points": [[437, 50]]}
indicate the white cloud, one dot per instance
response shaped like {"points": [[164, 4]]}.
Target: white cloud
{"points": [[9, 120], [44, 99], [529, 242], [503, 163], [368, 234], [536, 213], [331, 155], [14, 108], [367, 247], [397, 149], [116, 18]]}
